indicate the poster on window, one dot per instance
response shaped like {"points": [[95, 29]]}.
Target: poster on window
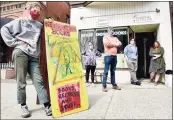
{"points": [[66, 78]]}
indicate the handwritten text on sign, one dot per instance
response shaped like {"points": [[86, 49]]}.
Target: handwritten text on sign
{"points": [[142, 18], [69, 97]]}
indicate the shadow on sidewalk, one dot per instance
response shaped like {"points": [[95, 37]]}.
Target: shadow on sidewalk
{"points": [[93, 99]]}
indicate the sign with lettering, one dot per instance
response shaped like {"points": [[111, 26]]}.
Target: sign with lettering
{"points": [[65, 73], [124, 32], [102, 22], [142, 18]]}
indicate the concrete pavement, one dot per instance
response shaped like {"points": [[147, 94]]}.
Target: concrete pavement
{"points": [[132, 102]]}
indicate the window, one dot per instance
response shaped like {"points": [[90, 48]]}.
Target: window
{"points": [[18, 6], [8, 7], [86, 36], [99, 37], [121, 34], [12, 7], [4, 8]]}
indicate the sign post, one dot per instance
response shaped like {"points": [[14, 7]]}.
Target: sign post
{"points": [[66, 78]]}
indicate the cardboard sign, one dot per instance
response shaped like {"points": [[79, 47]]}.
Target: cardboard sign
{"points": [[65, 73]]}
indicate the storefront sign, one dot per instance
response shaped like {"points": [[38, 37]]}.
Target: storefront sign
{"points": [[65, 73], [142, 18], [102, 22], [115, 33]]}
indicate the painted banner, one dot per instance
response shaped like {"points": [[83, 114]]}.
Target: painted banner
{"points": [[66, 78]]}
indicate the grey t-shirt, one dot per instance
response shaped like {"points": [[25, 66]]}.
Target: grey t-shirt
{"points": [[25, 30]]}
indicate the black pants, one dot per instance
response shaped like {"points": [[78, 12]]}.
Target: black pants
{"points": [[88, 69]]}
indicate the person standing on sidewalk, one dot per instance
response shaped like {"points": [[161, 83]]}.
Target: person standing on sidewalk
{"points": [[111, 44], [23, 34], [90, 62], [131, 55], [157, 63]]}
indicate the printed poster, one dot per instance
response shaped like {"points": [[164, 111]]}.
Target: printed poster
{"points": [[66, 78]]}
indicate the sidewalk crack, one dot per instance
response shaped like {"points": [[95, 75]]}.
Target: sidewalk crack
{"points": [[108, 105]]}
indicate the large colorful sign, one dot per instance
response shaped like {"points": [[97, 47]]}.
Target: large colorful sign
{"points": [[65, 73]]}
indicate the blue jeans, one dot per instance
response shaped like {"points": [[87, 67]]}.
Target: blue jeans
{"points": [[23, 64], [109, 61]]}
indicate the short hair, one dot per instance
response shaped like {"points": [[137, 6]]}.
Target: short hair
{"points": [[30, 5], [110, 29]]}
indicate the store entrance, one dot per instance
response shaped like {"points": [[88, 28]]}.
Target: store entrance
{"points": [[144, 42]]}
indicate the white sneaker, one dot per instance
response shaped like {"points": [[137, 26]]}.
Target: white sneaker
{"points": [[48, 111], [87, 84], [93, 85], [25, 111]]}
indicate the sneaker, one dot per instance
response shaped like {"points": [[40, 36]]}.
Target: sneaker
{"points": [[87, 84], [93, 85], [104, 89], [25, 111], [48, 110], [116, 87], [155, 83], [138, 83]]}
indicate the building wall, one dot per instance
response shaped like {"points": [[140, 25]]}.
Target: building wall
{"points": [[118, 14], [57, 10], [164, 35], [12, 9]]}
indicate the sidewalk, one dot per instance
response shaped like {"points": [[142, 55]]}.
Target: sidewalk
{"points": [[132, 102]]}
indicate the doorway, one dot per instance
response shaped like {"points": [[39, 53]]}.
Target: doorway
{"points": [[144, 42]]}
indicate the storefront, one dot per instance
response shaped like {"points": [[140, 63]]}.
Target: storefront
{"points": [[144, 21]]}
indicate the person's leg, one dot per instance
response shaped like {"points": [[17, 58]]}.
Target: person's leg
{"points": [[92, 74], [131, 67], [112, 70], [20, 60], [34, 71], [87, 75], [157, 76], [152, 75], [107, 60], [134, 75]]}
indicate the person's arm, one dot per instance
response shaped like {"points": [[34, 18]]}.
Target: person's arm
{"points": [[107, 42], [125, 52], [98, 54], [84, 53], [9, 31], [150, 53], [161, 52], [118, 43]]}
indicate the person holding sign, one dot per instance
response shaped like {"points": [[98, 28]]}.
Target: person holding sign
{"points": [[90, 62], [111, 44], [23, 34], [131, 55]]}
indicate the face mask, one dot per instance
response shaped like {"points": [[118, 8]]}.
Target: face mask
{"points": [[34, 14], [91, 47], [132, 42]]}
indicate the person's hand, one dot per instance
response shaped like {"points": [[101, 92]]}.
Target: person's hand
{"points": [[156, 56], [21, 42]]}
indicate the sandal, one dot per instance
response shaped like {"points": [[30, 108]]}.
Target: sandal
{"points": [[155, 84]]}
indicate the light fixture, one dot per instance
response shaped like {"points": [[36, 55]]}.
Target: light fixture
{"points": [[81, 18], [157, 10]]}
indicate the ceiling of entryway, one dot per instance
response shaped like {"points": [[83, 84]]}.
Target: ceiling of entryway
{"points": [[145, 28]]}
